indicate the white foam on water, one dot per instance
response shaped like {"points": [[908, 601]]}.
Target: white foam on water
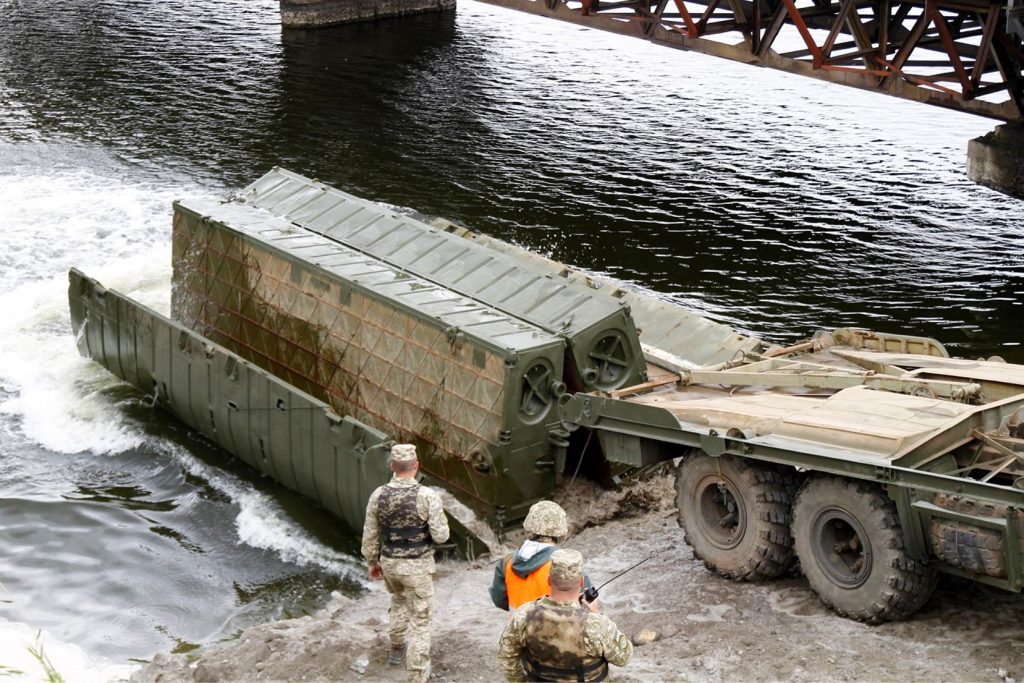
{"points": [[18, 664], [118, 232], [262, 523], [56, 397], [52, 217], [50, 220]]}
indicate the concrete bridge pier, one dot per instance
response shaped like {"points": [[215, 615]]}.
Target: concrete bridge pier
{"points": [[996, 159], [320, 13]]}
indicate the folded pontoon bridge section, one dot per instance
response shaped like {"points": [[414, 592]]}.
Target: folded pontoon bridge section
{"points": [[602, 337], [277, 429], [671, 335], [468, 384]]}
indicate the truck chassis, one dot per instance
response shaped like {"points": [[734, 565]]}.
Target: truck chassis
{"points": [[874, 479]]}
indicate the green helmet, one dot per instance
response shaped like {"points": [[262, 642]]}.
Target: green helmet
{"points": [[546, 518]]}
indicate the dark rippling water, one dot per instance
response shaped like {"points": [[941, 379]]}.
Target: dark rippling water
{"points": [[775, 204]]}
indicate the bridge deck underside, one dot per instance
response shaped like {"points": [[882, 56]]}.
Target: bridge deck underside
{"points": [[965, 55]]}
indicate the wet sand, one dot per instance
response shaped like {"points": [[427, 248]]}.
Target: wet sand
{"points": [[710, 629]]}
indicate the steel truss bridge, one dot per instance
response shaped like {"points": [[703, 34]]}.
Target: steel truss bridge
{"points": [[961, 54]]}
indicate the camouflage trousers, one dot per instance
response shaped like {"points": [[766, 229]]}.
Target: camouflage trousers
{"points": [[412, 606]]}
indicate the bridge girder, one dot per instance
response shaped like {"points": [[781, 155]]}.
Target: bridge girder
{"points": [[959, 54]]}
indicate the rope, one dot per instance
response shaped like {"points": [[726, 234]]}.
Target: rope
{"points": [[565, 492]]}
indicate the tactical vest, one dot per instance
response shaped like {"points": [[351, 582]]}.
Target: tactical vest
{"points": [[555, 649], [403, 533], [521, 591]]}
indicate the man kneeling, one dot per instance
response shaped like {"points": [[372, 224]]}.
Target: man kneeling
{"points": [[558, 638]]}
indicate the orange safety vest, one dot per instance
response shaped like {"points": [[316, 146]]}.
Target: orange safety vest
{"points": [[522, 591]]}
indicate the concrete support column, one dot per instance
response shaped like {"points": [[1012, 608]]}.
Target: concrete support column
{"points": [[997, 159], [319, 13]]}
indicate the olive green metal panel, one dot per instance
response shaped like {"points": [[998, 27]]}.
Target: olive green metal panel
{"points": [[678, 337], [998, 380], [471, 386], [660, 425], [602, 338], [891, 343], [273, 427], [960, 430]]}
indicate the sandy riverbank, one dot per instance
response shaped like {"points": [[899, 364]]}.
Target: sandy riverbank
{"points": [[711, 629]]}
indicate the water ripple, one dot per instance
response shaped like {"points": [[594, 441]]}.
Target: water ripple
{"points": [[774, 203]]}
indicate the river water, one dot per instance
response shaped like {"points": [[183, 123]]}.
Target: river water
{"points": [[772, 203]]}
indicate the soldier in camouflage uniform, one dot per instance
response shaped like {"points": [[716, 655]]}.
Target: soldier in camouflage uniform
{"points": [[403, 521], [558, 638], [522, 577]]}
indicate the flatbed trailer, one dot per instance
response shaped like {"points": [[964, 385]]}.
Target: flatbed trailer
{"points": [[875, 468]]}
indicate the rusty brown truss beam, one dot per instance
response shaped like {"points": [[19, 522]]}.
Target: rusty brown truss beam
{"points": [[969, 52]]}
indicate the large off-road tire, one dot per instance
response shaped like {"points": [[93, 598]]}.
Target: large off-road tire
{"points": [[850, 544], [736, 515]]}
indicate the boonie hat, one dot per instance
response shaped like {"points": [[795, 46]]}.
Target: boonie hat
{"points": [[566, 566], [403, 452]]}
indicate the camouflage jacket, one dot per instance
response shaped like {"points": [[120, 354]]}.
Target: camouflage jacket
{"points": [[602, 638], [522, 568], [428, 504]]}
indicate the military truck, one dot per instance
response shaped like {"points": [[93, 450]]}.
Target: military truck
{"points": [[312, 328]]}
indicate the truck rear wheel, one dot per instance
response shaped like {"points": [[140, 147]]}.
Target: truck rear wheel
{"points": [[850, 545], [736, 516]]}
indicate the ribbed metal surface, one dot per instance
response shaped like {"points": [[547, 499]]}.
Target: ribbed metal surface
{"points": [[469, 385], [277, 429], [598, 326], [661, 325]]}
